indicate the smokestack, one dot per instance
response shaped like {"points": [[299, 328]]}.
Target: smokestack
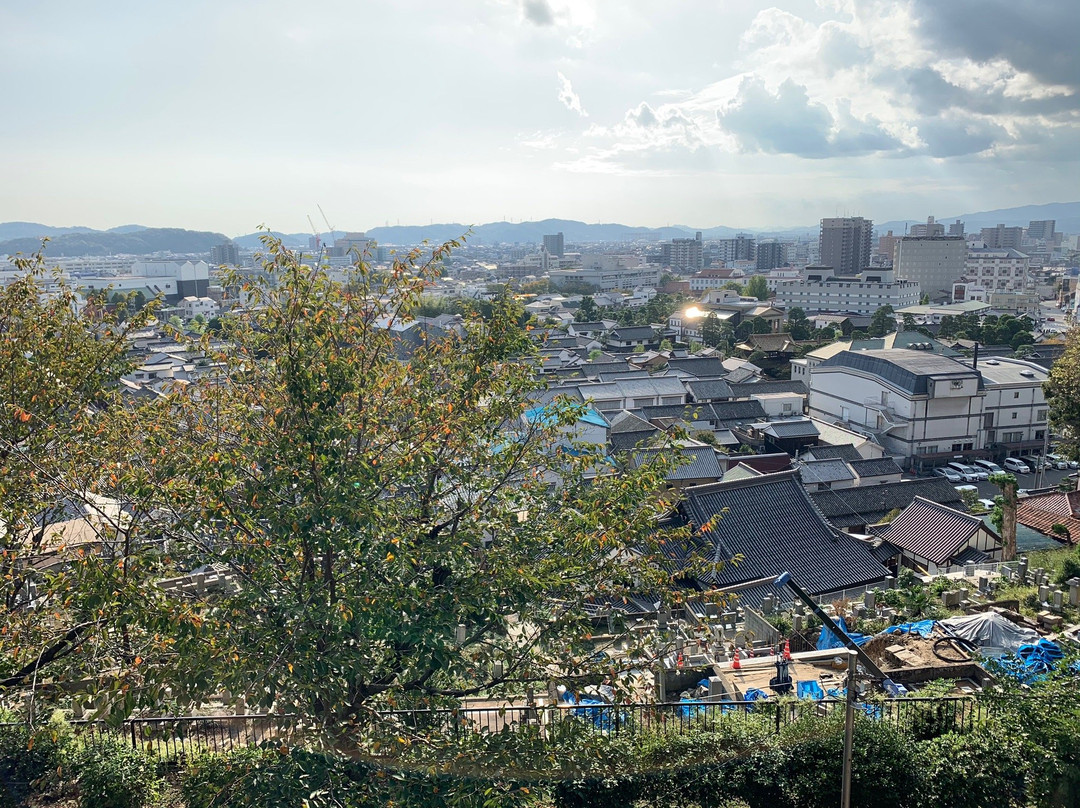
{"points": [[975, 359]]}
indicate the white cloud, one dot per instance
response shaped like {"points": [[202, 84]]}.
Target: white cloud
{"points": [[570, 99]]}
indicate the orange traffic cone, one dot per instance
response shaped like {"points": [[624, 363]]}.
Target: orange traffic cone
{"points": [[787, 650], [735, 664]]}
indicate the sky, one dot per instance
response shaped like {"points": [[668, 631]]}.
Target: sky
{"points": [[224, 115]]}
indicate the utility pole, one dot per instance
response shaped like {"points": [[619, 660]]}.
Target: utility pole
{"points": [[849, 729]]}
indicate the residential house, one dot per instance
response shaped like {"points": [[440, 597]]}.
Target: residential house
{"points": [[932, 537], [1044, 512], [627, 338], [772, 524], [855, 509], [696, 464], [824, 475]]}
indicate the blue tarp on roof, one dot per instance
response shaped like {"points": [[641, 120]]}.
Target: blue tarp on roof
{"points": [[546, 415]]}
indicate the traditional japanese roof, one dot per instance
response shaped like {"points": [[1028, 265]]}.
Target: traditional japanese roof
{"points": [[709, 390], [932, 531], [843, 452], [632, 332], [797, 428], [747, 389], [708, 367], [825, 471], [869, 504], [701, 463], [717, 412], [627, 430], [1042, 511], [773, 525], [875, 467]]}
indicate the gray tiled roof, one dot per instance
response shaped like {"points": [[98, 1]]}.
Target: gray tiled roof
{"points": [[843, 452], [932, 531], [772, 523], [868, 504], [701, 463], [706, 367], [709, 390], [744, 389], [875, 467], [632, 332], [716, 412], [825, 471], [801, 428]]}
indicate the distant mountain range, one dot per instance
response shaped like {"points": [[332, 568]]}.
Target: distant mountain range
{"points": [[127, 240], [135, 239]]}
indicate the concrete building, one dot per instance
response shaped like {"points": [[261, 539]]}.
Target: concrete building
{"points": [[932, 262], [192, 306], [609, 272], [740, 248], [823, 290], [712, 278], [997, 270], [683, 253], [1042, 230], [931, 229], [927, 409], [555, 244], [956, 229], [1002, 237], [226, 253], [844, 244], [770, 254], [886, 246]]}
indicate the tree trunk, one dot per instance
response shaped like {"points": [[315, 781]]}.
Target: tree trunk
{"points": [[1008, 522]]}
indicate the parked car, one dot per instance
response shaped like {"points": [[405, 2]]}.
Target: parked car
{"points": [[1057, 461], [1017, 465], [987, 503], [1033, 462], [967, 473], [948, 474], [989, 466]]}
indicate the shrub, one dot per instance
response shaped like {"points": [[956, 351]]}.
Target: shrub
{"points": [[31, 761], [111, 774], [982, 769]]}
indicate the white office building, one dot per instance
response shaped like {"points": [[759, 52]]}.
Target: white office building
{"points": [[823, 290], [997, 270]]}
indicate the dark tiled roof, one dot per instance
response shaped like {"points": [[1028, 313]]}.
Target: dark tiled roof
{"points": [[868, 504], [707, 367], [825, 471], [801, 428], [844, 452], [632, 332], [772, 523], [972, 556], [709, 390], [715, 412], [738, 410], [746, 389], [766, 463], [932, 531], [876, 467], [702, 463]]}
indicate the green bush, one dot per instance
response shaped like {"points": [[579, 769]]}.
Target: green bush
{"points": [[31, 761], [109, 773], [982, 769]]}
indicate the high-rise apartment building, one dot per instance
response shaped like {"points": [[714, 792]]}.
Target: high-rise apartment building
{"points": [[995, 270], [1002, 237], [845, 244], [933, 263], [1043, 229], [740, 248], [225, 254], [683, 253], [770, 255], [957, 229], [555, 245], [886, 245]]}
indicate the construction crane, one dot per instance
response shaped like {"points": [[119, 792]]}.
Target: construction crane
{"points": [[314, 232]]}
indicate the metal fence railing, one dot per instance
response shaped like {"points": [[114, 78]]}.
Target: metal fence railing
{"points": [[174, 738]]}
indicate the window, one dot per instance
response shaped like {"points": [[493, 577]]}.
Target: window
{"points": [[1040, 415], [1016, 395], [1014, 416], [926, 450], [956, 447], [1012, 437], [1040, 434], [787, 407], [988, 420], [968, 447]]}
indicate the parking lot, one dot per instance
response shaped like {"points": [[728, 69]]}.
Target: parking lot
{"points": [[1049, 478]]}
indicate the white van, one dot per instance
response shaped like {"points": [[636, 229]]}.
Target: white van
{"points": [[1017, 465], [989, 466]]}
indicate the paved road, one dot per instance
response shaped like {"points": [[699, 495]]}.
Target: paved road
{"points": [[1048, 478]]}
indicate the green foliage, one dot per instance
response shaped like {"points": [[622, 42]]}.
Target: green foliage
{"points": [[30, 760], [1070, 568], [588, 311], [757, 287], [110, 774], [1062, 389], [983, 769], [883, 322]]}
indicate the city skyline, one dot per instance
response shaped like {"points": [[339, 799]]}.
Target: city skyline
{"points": [[752, 116]]}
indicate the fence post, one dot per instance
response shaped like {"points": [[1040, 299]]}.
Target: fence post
{"points": [[778, 708], [134, 741]]}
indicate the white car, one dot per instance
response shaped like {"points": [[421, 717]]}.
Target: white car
{"points": [[989, 466], [948, 474], [987, 503], [1057, 461], [967, 473], [1017, 465]]}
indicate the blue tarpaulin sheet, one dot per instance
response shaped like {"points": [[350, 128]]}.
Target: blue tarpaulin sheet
{"points": [[924, 628], [809, 690], [828, 639]]}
